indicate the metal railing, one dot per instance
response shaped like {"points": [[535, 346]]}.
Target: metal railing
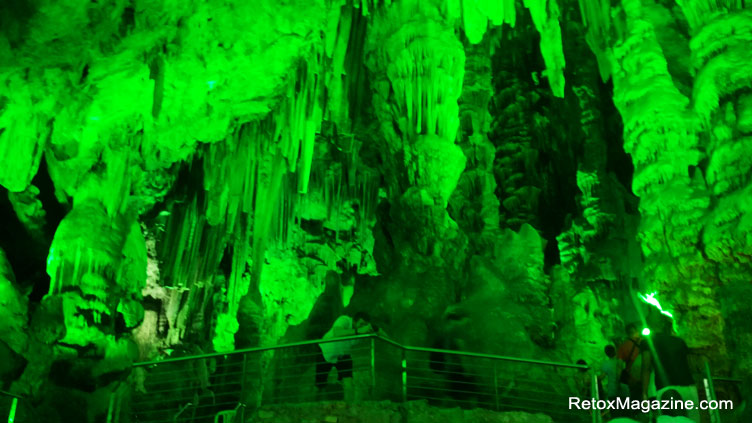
{"points": [[220, 387], [8, 405], [719, 388]]}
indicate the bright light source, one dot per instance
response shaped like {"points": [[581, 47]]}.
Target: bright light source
{"points": [[645, 332], [650, 299]]}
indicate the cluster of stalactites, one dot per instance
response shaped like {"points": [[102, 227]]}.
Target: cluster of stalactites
{"points": [[299, 117], [91, 249], [341, 186], [425, 65], [22, 127], [243, 174], [596, 17], [699, 12], [545, 14], [477, 14], [419, 65]]}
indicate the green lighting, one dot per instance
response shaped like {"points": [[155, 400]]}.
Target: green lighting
{"points": [[646, 332], [12, 414], [650, 299]]}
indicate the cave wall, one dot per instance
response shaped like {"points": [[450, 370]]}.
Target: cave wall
{"points": [[210, 175]]}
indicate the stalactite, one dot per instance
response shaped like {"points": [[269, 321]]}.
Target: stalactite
{"points": [[545, 14], [300, 118], [426, 78], [596, 17], [23, 131], [338, 40], [29, 210]]}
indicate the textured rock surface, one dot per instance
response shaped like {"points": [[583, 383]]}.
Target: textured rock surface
{"points": [[214, 174]]}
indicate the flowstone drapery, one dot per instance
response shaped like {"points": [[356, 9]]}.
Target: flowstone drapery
{"points": [[661, 134], [680, 94], [97, 265], [418, 65], [206, 171]]}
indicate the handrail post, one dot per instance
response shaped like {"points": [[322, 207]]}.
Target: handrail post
{"points": [[110, 409], [12, 413], [404, 375], [242, 386], [710, 394], [373, 369], [496, 387], [595, 397]]}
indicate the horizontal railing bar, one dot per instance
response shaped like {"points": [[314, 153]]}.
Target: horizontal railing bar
{"points": [[445, 381], [445, 363], [313, 399], [444, 372], [310, 364], [179, 396], [458, 391], [257, 349], [498, 357], [160, 381], [161, 385], [188, 397], [361, 337], [449, 399], [528, 382], [414, 368], [154, 406], [161, 374], [180, 365], [8, 394], [193, 407], [296, 357], [298, 376], [162, 391]]}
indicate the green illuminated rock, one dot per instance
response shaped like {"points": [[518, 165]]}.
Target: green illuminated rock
{"points": [[494, 176]]}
